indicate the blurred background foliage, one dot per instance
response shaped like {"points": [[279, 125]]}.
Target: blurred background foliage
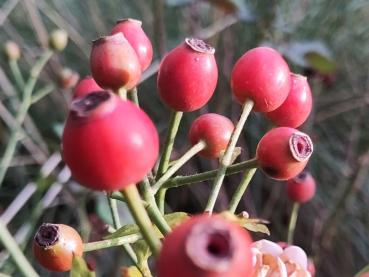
{"points": [[327, 40]]}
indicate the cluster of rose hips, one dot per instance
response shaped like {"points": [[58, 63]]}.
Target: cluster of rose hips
{"points": [[110, 144]]}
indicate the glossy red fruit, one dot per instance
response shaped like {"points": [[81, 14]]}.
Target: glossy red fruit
{"points": [[55, 245], [297, 107], [206, 246], [132, 30], [188, 76], [114, 63], [283, 152], [215, 130], [301, 188], [108, 143], [86, 86], [263, 76]]}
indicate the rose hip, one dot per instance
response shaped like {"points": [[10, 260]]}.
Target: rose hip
{"points": [[297, 107], [86, 86], [114, 63], [188, 76], [263, 76], [206, 246], [108, 143], [132, 30], [215, 130], [283, 152], [55, 245], [301, 188]]}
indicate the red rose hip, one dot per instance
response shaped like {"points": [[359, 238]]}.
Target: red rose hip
{"points": [[206, 246], [215, 130], [263, 76], [132, 30], [114, 63], [296, 108], [55, 245], [86, 86], [188, 76], [283, 152], [301, 188], [108, 143]]}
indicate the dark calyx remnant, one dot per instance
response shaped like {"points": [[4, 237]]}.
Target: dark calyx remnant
{"points": [[47, 235], [210, 246], [91, 101], [200, 45], [301, 146], [301, 177]]}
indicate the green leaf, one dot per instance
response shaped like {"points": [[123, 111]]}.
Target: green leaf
{"points": [[142, 250], [80, 269], [174, 219], [251, 224], [321, 63], [256, 227]]}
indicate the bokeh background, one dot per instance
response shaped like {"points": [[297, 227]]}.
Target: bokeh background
{"points": [[326, 40]]}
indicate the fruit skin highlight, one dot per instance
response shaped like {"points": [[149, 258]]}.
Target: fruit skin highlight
{"points": [[215, 130], [206, 246], [302, 188], [108, 143], [283, 152], [263, 76], [137, 38], [114, 63], [188, 76], [54, 246], [296, 108]]}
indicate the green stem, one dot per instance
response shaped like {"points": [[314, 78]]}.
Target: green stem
{"points": [[11, 245], [122, 92], [178, 164], [143, 221], [175, 120], [292, 224], [114, 211], [38, 95], [160, 196], [22, 112], [14, 68], [132, 95], [209, 175], [97, 245], [153, 210], [227, 158], [241, 189]]}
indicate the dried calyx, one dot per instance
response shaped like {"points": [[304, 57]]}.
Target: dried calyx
{"points": [[47, 235], [210, 246], [200, 45], [301, 177], [301, 146], [83, 106], [117, 38]]}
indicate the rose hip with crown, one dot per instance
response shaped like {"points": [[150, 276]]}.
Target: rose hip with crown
{"points": [[206, 246], [215, 130], [297, 107], [301, 188], [86, 86], [114, 63], [105, 142], [132, 30], [263, 76], [282, 153], [188, 76], [55, 245]]}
